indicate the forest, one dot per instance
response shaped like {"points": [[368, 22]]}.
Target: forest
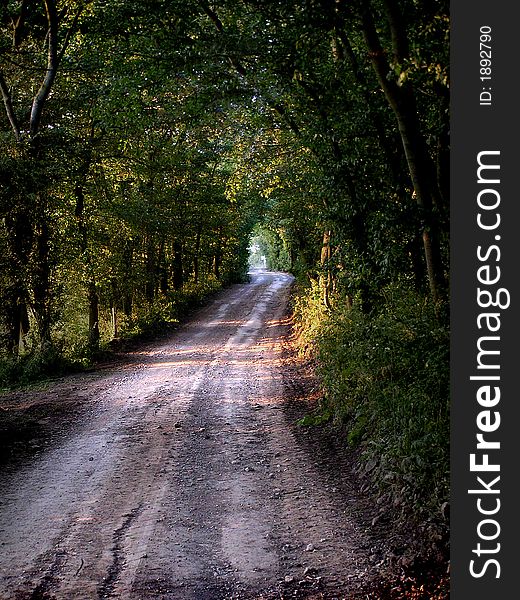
{"points": [[148, 147]]}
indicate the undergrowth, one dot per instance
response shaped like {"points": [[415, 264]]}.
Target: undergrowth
{"points": [[70, 351], [385, 377], [167, 310]]}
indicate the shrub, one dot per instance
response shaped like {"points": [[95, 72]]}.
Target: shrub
{"points": [[70, 350], [167, 310], [386, 379], [34, 366]]}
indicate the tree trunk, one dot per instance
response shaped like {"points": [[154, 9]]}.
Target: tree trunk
{"points": [[178, 274], [14, 308], [422, 173], [151, 278], [115, 331], [216, 265], [128, 259], [90, 279], [326, 275], [217, 257], [41, 285], [163, 270], [17, 325], [128, 304], [93, 317], [387, 140], [29, 244], [196, 255]]}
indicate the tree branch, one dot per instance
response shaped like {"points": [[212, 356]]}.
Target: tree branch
{"points": [[378, 58], [70, 32], [386, 138], [213, 16], [240, 69], [18, 26], [52, 67], [9, 107], [397, 31]]}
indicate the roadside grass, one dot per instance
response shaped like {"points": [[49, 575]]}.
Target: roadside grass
{"points": [[385, 378]]}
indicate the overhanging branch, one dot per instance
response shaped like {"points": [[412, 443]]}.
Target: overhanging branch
{"points": [[6, 96], [52, 67]]}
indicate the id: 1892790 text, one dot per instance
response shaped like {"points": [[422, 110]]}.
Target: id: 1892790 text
{"points": [[485, 66]]}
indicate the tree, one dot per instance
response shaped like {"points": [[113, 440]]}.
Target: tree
{"points": [[26, 219]]}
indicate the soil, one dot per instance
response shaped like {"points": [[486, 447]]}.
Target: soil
{"points": [[181, 472]]}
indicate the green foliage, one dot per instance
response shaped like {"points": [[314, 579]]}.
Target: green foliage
{"points": [[166, 311], [121, 199], [317, 418], [269, 244], [70, 351], [310, 314], [386, 380], [35, 366], [177, 132]]}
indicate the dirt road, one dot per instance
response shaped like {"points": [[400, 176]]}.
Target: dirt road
{"points": [[181, 474]]}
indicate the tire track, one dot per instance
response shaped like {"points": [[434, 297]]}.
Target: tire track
{"points": [[184, 480]]}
